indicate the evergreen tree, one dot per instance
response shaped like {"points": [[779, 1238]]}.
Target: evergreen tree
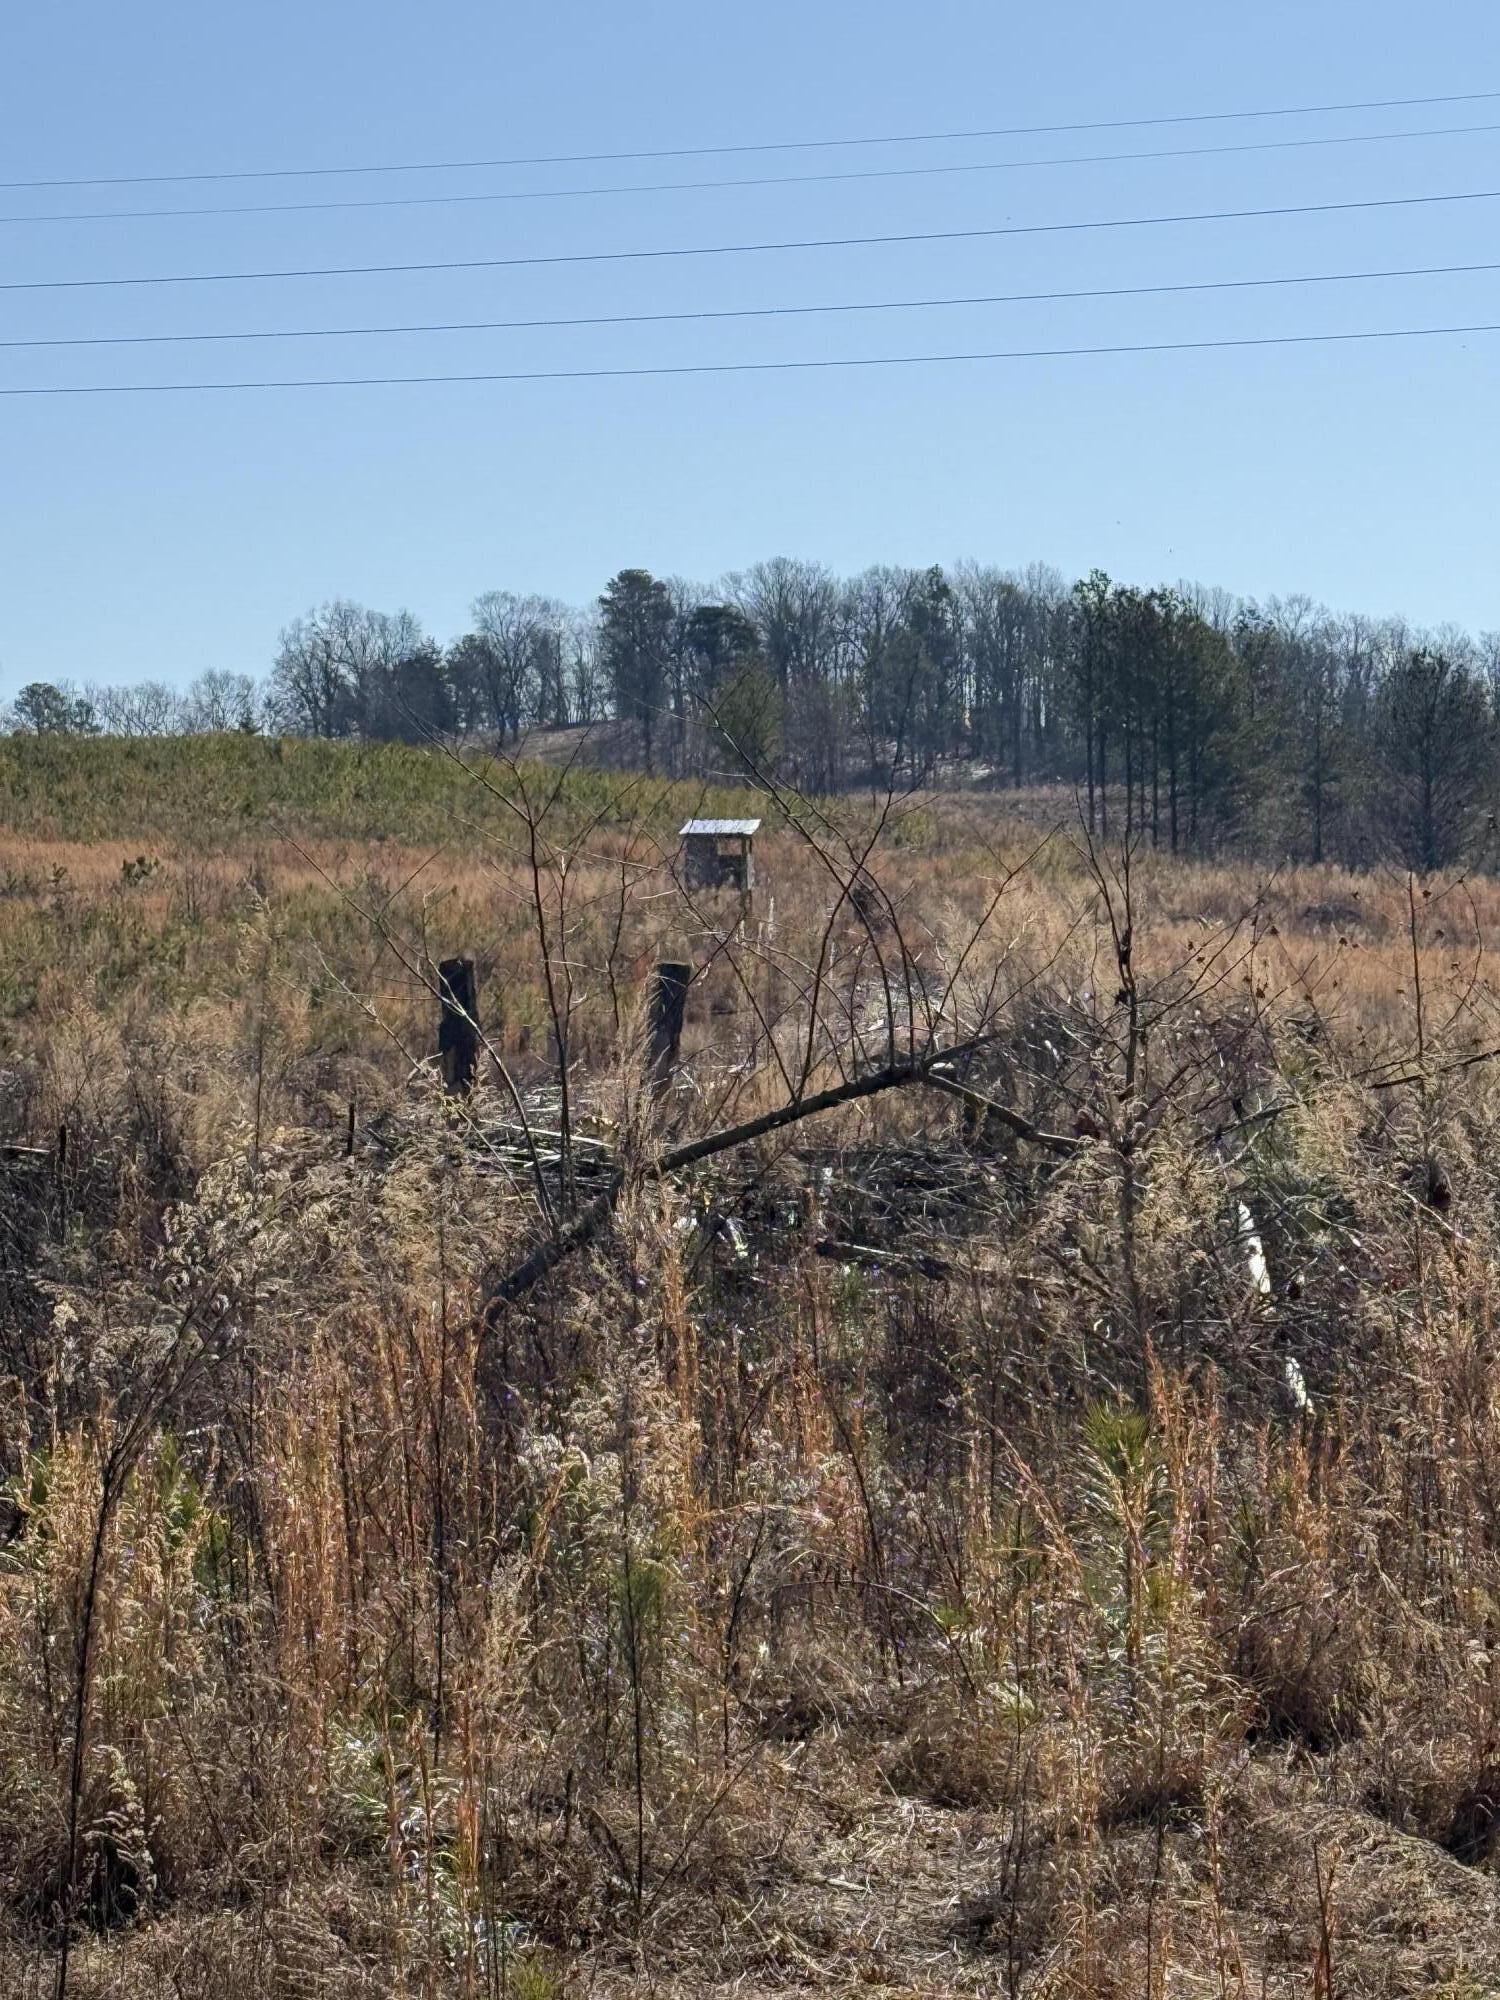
{"points": [[635, 637]]}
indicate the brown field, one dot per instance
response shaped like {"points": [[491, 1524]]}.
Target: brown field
{"points": [[1051, 1599]]}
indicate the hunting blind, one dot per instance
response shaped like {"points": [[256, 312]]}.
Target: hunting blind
{"points": [[717, 853]]}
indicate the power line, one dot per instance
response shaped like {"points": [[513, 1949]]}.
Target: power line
{"points": [[754, 312], [760, 146], [758, 367], [747, 249], [752, 181]]}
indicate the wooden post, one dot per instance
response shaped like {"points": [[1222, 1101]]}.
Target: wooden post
{"points": [[458, 1025], [669, 990]]}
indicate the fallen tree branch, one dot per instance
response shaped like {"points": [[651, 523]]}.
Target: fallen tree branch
{"points": [[586, 1223], [920, 1262], [1438, 1069], [989, 1107]]}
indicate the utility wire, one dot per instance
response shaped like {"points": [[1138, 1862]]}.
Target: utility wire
{"points": [[754, 181], [754, 312], [759, 146], [761, 367], [536, 261]]}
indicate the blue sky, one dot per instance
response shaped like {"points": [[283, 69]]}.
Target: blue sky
{"points": [[160, 535]]}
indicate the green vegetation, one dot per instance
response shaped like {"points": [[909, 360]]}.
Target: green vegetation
{"points": [[211, 791]]}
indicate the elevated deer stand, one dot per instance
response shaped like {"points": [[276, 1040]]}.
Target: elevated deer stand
{"points": [[719, 854]]}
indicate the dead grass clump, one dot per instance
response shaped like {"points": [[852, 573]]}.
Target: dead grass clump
{"points": [[962, 1749], [1307, 1673]]}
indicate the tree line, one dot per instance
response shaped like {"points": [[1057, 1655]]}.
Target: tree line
{"points": [[1185, 716]]}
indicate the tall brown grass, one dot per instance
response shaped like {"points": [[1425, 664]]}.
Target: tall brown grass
{"points": [[772, 1619]]}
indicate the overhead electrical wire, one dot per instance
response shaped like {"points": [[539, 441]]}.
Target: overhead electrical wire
{"points": [[537, 260], [754, 181], [707, 313], [829, 364], [756, 146]]}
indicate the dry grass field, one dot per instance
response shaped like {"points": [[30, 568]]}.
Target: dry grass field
{"points": [[1030, 1527]]}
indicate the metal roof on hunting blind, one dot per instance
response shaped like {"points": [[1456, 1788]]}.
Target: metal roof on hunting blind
{"points": [[715, 828]]}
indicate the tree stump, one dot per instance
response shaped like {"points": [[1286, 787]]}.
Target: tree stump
{"points": [[458, 1025], [669, 990]]}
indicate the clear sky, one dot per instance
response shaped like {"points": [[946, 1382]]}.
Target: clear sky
{"points": [[157, 535]]}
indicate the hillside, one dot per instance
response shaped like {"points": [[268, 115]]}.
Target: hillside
{"points": [[214, 790], [974, 1474]]}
